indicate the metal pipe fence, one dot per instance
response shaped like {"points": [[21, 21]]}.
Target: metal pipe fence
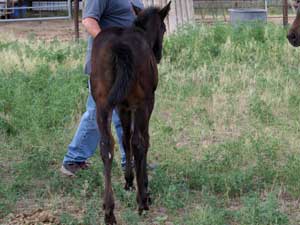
{"points": [[40, 10]]}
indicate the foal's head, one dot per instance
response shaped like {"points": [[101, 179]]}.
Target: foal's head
{"points": [[151, 20], [294, 32]]}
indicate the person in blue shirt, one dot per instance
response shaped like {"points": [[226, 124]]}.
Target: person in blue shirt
{"points": [[97, 15]]}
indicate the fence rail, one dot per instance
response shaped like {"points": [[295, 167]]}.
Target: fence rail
{"points": [[10, 11]]}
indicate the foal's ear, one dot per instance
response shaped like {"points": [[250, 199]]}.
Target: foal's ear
{"points": [[136, 10], [164, 11]]}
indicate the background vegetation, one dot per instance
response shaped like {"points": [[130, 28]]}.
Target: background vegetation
{"points": [[225, 132]]}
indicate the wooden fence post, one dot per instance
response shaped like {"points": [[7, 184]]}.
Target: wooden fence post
{"points": [[76, 19], [285, 12], [182, 11]]}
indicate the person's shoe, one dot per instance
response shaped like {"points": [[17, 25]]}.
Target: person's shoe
{"points": [[70, 169]]}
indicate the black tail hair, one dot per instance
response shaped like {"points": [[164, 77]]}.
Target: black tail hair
{"points": [[122, 59]]}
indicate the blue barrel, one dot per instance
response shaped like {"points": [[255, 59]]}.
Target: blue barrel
{"points": [[243, 15]]}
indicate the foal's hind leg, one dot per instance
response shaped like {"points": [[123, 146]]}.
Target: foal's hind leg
{"points": [[104, 115], [126, 125], [145, 132], [140, 144]]}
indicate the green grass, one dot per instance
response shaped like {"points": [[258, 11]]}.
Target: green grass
{"points": [[224, 131]]}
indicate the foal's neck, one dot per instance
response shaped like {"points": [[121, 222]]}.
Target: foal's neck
{"points": [[149, 36]]}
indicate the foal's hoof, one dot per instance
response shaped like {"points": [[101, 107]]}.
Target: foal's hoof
{"points": [[129, 187], [149, 199], [110, 219], [143, 208]]}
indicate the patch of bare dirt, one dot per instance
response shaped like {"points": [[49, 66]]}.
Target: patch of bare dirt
{"points": [[36, 217], [290, 205], [29, 211]]}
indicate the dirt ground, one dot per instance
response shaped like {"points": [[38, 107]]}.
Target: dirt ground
{"points": [[45, 30], [36, 217], [277, 19], [64, 29]]}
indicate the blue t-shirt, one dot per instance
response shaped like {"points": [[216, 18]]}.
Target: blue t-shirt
{"points": [[108, 13]]}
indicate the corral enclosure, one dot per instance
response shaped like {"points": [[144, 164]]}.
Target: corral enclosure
{"points": [[183, 11]]}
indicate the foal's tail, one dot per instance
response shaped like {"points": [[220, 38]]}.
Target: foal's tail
{"points": [[122, 59]]}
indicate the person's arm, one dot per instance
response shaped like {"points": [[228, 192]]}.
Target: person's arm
{"points": [[92, 13], [91, 25]]}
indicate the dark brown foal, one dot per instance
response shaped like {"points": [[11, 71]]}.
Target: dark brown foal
{"points": [[124, 77]]}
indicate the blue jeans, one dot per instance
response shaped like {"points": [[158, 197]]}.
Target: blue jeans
{"points": [[87, 136]]}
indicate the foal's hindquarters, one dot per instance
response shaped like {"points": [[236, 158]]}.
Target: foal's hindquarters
{"points": [[134, 109]]}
